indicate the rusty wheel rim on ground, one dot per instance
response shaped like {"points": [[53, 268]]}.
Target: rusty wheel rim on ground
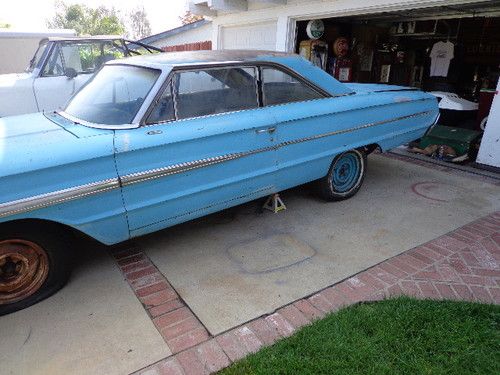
{"points": [[24, 267]]}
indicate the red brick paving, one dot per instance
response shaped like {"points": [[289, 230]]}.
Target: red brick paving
{"points": [[177, 324], [461, 265]]}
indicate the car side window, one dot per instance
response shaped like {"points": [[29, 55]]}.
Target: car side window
{"points": [[54, 66], [163, 109], [280, 87], [218, 90], [83, 57]]}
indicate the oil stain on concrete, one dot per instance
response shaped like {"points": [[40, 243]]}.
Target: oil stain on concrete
{"points": [[270, 254]]}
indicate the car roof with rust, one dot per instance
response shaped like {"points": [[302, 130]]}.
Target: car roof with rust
{"points": [[294, 62], [200, 57]]}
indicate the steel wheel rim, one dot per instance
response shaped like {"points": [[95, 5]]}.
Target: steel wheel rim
{"points": [[346, 173], [24, 267]]}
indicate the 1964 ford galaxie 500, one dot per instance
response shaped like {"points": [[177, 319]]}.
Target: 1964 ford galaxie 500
{"points": [[154, 141]]}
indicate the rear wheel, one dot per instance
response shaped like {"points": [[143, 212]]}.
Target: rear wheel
{"points": [[345, 176], [33, 265]]}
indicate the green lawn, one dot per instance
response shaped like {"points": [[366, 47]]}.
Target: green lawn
{"points": [[397, 336]]}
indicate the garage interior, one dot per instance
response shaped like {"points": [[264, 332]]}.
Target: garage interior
{"points": [[398, 48]]}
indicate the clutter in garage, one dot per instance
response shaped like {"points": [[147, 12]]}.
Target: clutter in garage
{"points": [[455, 59]]}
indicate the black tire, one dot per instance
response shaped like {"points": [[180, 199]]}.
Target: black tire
{"points": [[51, 244], [327, 187]]}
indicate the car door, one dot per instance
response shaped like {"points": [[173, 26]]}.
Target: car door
{"points": [[305, 116], [206, 145], [52, 87], [68, 67]]}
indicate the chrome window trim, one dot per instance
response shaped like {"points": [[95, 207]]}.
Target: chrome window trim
{"points": [[298, 78], [170, 80], [94, 125], [278, 105], [167, 73], [201, 117], [257, 64], [156, 100], [148, 109], [140, 112], [151, 97], [175, 78], [62, 196]]}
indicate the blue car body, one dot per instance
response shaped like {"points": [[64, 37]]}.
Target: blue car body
{"points": [[114, 183]]}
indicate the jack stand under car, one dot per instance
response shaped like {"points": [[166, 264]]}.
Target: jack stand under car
{"points": [[274, 204]]}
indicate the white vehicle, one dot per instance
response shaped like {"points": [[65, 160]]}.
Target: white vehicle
{"points": [[58, 69], [453, 102], [454, 110]]}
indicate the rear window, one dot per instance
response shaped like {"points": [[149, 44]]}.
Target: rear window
{"points": [[280, 87]]}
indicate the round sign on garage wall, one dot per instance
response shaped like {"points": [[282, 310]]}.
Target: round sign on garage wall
{"points": [[315, 29]]}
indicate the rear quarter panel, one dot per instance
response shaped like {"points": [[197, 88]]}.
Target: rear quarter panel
{"points": [[310, 134]]}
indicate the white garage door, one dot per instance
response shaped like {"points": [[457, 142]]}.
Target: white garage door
{"points": [[257, 36]]}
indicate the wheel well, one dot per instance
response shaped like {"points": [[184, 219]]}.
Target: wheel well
{"points": [[39, 223], [368, 149]]}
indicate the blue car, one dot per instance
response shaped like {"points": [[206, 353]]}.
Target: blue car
{"points": [[154, 141]]}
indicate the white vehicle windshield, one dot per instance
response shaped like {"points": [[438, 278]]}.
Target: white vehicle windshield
{"points": [[114, 95]]}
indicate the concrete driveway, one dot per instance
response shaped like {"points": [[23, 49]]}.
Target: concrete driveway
{"points": [[235, 266], [94, 325], [239, 264]]}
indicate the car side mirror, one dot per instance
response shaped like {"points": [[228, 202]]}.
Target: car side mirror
{"points": [[70, 73]]}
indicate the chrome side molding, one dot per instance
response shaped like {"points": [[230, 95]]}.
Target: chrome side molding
{"points": [[61, 196]]}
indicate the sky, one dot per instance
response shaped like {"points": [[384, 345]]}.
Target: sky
{"points": [[31, 15]]}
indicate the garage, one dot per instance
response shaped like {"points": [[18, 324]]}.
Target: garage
{"points": [[388, 42], [451, 51], [260, 36]]}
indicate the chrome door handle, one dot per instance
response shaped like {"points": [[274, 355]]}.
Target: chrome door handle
{"points": [[268, 130]]}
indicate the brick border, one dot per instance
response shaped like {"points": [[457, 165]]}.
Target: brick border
{"points": [[177, 324], [461, 265]]}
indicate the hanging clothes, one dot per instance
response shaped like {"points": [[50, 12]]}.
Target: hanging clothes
{"points": [[441, 55]]}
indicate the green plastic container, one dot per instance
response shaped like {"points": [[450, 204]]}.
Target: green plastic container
{"points": [[462, 140]]}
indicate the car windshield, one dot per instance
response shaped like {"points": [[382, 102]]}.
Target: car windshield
{"points": [[114, 95], [36, 58]]}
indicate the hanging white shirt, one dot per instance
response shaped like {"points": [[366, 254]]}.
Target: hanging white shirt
{"points": [[441, 55]]}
